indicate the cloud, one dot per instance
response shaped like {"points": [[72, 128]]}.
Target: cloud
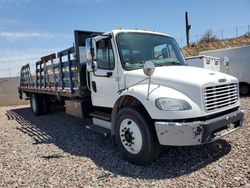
{"points": [[12, 60], [8, 56], [14, 29], [10, 24], [13, 36], [25, 35]]}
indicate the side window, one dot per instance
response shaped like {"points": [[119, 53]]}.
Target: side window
{"points": [[158, 51], [164, 51], [105, 56], [171, 52]]}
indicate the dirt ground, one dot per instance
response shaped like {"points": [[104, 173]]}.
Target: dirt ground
{"points": [[56, 150]]}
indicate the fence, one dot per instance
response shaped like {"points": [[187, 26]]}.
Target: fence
{"points": [[220, 34]]}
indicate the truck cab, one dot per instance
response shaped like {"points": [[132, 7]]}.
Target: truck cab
{"points": [[143, 94], [177, 105]]}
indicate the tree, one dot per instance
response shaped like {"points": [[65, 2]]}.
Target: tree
{"points": [[208, 36]]}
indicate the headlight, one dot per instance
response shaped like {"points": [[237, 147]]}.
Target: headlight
{"points": [[169, 104]]}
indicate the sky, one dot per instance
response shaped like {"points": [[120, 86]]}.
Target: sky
{"points": [[30, 29]]}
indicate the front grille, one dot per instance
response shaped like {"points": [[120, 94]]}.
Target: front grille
{"points": [[217, 97]]}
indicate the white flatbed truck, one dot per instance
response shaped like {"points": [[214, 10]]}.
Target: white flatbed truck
{"points": [[203, 61], [138, 89]]}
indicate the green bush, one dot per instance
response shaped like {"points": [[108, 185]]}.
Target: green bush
{"points": [[208, 36]]}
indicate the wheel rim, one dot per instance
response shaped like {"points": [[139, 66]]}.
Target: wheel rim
{"points": [[131, 136], [33, 101]]}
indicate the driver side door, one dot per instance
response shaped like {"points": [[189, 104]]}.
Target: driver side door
{"points": [[103, 83]]}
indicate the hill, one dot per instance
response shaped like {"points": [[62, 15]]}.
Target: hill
{"points": [[194, 49]]}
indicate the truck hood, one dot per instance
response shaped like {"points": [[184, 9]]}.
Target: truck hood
{"points": [[180, 75], [188, 80]]}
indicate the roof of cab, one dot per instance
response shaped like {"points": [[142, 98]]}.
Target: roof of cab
{"points": [[116, 31]]}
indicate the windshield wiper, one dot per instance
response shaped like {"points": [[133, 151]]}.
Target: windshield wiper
{"points": [[159, 64], [175, 63], [164, 63]]}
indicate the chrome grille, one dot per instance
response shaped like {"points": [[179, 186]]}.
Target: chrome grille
{"points": [[216, 97]]}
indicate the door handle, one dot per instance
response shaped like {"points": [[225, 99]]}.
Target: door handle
{"points": [[109, 74], [94, 86]]}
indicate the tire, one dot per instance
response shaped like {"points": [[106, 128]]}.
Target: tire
{"points": [[244, 89], [136, 137], [36, 104], [46, 104]]}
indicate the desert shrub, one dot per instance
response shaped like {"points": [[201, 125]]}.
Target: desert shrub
{"points": [[208, 36]]}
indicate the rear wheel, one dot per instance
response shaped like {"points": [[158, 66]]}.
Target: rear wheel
{"points": [[136, 136], [46, 104], [36, 104]]}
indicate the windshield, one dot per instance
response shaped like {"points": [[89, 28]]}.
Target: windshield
{"points": [[137, 48]]}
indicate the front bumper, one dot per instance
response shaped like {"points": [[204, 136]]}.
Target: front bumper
{"points": [[198, 132]]}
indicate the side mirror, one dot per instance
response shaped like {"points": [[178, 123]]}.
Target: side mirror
{"points": [[226, 61], [149, 68], [90, 49], [91, 66]]}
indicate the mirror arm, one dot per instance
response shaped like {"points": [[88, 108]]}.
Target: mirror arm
{"points": [[149, 83], [120, 91]]}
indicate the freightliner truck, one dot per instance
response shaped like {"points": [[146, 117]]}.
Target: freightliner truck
{"points": [[137, 88]]}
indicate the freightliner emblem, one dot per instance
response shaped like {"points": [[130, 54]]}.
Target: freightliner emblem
{"points": [[222, 80]]}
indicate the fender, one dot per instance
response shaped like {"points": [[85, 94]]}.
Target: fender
{"points": [[139, 92]]}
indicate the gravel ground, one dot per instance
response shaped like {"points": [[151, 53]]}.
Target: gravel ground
{"points": [[56, 150]]}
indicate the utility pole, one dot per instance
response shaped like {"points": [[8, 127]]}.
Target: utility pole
{"points": [[188, 27]]}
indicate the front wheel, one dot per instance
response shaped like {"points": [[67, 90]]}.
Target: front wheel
{"points": [[136, 136]]}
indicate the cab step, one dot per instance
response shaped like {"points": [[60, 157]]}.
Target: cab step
{"points": [[101, 115], [99, 129]]}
